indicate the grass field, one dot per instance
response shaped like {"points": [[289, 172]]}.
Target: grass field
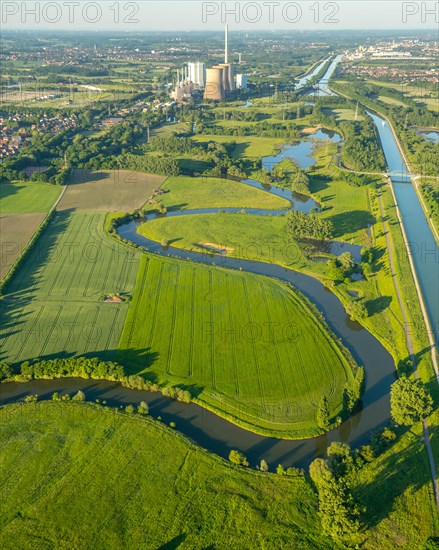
{"points": [[251, 237], [235, 339], [53, 307], [342, 114], [91, 479], [96, 479], [168, 129], [108, 190], [347, 207], [23, 206], [22, 197], [187, 192], [391, 101], [247, 147]]}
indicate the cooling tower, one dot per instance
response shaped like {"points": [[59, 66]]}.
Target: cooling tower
{"points": [[214, 84], [229, 76], [224, 75]]}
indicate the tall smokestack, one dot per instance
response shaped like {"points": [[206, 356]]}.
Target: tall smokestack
{"points": [[226, 50]]}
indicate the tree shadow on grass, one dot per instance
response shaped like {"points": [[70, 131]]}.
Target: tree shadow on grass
{"points": [[350, 222], [318, 182], [173, 543], [402, 470], [377, 305]]}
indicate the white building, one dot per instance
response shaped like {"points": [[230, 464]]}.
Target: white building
{"points": [[197, 73], [241, 81]]}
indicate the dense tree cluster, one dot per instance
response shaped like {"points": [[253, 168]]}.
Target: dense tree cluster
{"points": [[431, 194], [353, 390], [361, 150], [410, 401], [177, 145], [236, 457], [323, 415], [147, 163], [339, 513], [261, 129], [5, 370], [356, 310], [308, 226]]}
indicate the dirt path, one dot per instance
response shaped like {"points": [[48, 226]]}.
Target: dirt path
{"points": [[409, 347]]}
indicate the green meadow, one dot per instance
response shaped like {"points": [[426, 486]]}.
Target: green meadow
{"points": [[205, 192], [23, 197], [95, 478], [80, 477]]}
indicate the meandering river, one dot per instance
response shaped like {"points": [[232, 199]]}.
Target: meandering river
{"points": [[219, 435]]}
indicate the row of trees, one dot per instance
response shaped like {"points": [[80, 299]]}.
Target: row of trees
{"points": [[431, 194], [80, 367], [92, 368]]}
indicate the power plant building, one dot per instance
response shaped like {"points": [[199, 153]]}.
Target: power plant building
{"points": [[241, 81], [197, 73], [220, 78], [184, 87]]}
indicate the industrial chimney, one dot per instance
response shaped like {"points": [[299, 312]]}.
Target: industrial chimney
{"points": [[226, 49]]}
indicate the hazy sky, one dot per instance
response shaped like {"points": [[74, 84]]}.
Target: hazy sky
{"points": [[205, 15]]}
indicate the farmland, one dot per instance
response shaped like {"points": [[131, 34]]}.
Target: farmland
{"points": [[54, 304], [221, 346], [23, 208], [187, 192], [108, 190]]}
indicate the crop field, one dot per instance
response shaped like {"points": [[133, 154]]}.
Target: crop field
{"points": [[247, 346], [53, 306], [23, 206], [108, 190], [16, 230], [131, 469], [187, 192], [247, 147]]}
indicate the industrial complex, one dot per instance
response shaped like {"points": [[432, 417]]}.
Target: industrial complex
{"points": [[216, 81]]}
